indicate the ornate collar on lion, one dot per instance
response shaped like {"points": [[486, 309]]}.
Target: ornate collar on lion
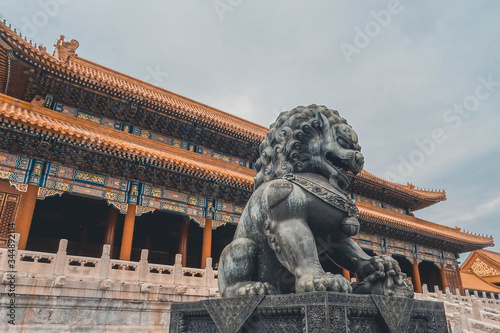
{"points": [[333, 197]]}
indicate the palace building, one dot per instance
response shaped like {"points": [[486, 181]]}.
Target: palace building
{"points": [[96, 157], [481, 272]]}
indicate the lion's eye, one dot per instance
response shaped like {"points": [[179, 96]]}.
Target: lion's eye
{"points": [[343, 143]]}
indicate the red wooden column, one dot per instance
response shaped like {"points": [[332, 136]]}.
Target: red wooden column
{"points": [[26, 210], [128, 233], [459, 277], [417, 285], [346, 274], [109, 235], [444, 279], [207, 242], [183, 241]]}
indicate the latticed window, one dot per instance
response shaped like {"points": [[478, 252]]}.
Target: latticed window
{"points": [[8, 209]]}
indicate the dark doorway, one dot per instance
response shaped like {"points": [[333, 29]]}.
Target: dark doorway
{"points": [[195, 243], [406, 266], [221, 237], [78, 219], [159, 232], [430, 275]]}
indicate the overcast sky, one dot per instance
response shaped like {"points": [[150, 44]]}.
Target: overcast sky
{"points": [[418, 80]]}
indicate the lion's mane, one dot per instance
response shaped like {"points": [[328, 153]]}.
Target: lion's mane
{"points": [[286, 146]]}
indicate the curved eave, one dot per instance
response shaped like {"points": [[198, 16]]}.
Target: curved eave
{"points": [[411, 224], [34, 118], [114, 83], [471, 281], [382, 189]]}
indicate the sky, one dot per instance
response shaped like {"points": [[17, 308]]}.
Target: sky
{"points": [[419, 81]]}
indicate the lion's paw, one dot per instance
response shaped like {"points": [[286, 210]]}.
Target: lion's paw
{"points": [[256, 288], [323, 282]]}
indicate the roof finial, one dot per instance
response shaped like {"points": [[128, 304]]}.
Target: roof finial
{"points": [[64, 50]]}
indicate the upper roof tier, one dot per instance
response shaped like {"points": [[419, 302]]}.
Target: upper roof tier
{"points": [[67, 64]]}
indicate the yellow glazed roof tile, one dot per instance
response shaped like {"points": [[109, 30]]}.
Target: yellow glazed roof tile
{"points": [[134, 146]]}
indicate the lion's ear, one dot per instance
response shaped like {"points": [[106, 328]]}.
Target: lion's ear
{"points": [[323, 122]]}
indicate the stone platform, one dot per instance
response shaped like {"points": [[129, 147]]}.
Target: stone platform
{"points": [[311, 312]]}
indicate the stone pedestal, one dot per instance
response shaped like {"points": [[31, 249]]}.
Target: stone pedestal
{"points": [[311, 312]]}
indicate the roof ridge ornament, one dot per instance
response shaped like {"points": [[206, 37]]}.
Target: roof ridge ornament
{"points": [[65, 50]]}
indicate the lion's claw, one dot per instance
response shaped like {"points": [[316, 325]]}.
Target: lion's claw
{"points": [[323, 282], [257, 288]]}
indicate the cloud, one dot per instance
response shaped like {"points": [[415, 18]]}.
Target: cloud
{"points": [[464, 215]]}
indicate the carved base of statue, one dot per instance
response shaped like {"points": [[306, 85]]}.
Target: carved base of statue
{"points": [[309, 312]]}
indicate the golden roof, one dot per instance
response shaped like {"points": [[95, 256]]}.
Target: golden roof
{"points": [[471, 281], [380, 215], [118, 84], [484, 263], [94, 136], [408, 189]]}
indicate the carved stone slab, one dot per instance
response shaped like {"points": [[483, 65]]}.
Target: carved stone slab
{"points": [[229, 314], [319, 312]]}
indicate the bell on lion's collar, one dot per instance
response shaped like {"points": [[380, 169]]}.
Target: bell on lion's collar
{"points": [[350, 226]]}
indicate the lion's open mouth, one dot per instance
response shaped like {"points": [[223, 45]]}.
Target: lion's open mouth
{"points": [[336, 162]]}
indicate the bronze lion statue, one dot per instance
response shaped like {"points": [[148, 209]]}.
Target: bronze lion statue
{"points": [[299, 202]]}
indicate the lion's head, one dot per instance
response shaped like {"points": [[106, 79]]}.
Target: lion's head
{"points": [[309, 139]]}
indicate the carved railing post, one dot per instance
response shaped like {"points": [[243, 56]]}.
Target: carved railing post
{"points": [[476, 309], [467, 295], [463, 319], [178, 269], [439, 293], [105, 261], [143, 266], [494, 300], [60, 263], [209, 273], [425, 291], [448, 296], [456, 322]]}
